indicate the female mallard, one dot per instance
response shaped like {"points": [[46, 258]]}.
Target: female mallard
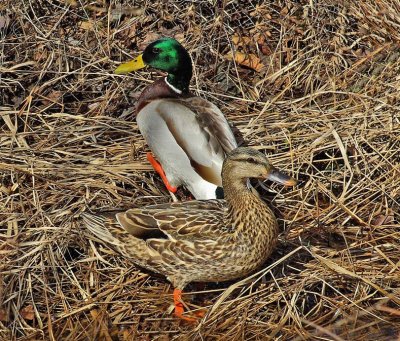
{"points": [[188, 134], [206, 240]]}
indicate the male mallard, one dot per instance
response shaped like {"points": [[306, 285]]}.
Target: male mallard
{"points": [[188, 134], [200, 240]]}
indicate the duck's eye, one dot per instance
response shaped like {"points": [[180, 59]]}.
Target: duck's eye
{"points": [[156, 50], [251, 160]]}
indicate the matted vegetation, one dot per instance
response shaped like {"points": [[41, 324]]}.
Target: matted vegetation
{"points": [[321, 100]]}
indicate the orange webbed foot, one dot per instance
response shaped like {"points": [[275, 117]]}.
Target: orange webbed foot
{"points": [[179, 309], [157, 167]]}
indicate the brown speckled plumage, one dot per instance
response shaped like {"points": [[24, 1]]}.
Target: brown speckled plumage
{"points": [[209, 240]]}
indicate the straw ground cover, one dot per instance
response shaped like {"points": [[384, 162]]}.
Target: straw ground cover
{"points": [[313, 85]]}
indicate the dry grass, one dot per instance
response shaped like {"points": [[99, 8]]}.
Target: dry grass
{"points": [[325, 108]]}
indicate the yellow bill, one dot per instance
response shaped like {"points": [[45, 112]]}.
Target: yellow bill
{"points": [[133, 65]]}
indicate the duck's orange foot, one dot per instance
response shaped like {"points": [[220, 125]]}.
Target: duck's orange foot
{"points": [[179, 309], [157, 167]]}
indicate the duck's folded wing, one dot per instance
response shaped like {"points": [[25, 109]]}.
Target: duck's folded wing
{"points": [[212, 121], [194, 220], [175, 253], [201, 130]]}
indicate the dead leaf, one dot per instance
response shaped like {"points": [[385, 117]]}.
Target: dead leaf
{"points": [[150, 36], [249, 60], [89, 25], [261, 10], [93, 106], [171, 32], [180, 37], [259, 38], [40, 53], [132, 30], [28, 313], [73, 3], [3, 316], [86, 25], [241, 41], [4, 21], [52, 97], [55, 94], [168, 17], [266, 50], [383, 219]]}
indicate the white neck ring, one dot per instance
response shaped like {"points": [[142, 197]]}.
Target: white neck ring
{"points": [[179, 92]]}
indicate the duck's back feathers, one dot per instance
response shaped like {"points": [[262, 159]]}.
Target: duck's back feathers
{"points": [[212, 121], [193, 220]]}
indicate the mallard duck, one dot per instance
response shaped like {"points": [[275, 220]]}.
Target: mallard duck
{"points": [[188, 134], [200, 240]]}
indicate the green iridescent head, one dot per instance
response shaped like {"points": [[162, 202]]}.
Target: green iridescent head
{"points": [[168, 55]]}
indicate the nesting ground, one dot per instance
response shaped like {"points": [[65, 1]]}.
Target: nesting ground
{"points": [[312, 85]]}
